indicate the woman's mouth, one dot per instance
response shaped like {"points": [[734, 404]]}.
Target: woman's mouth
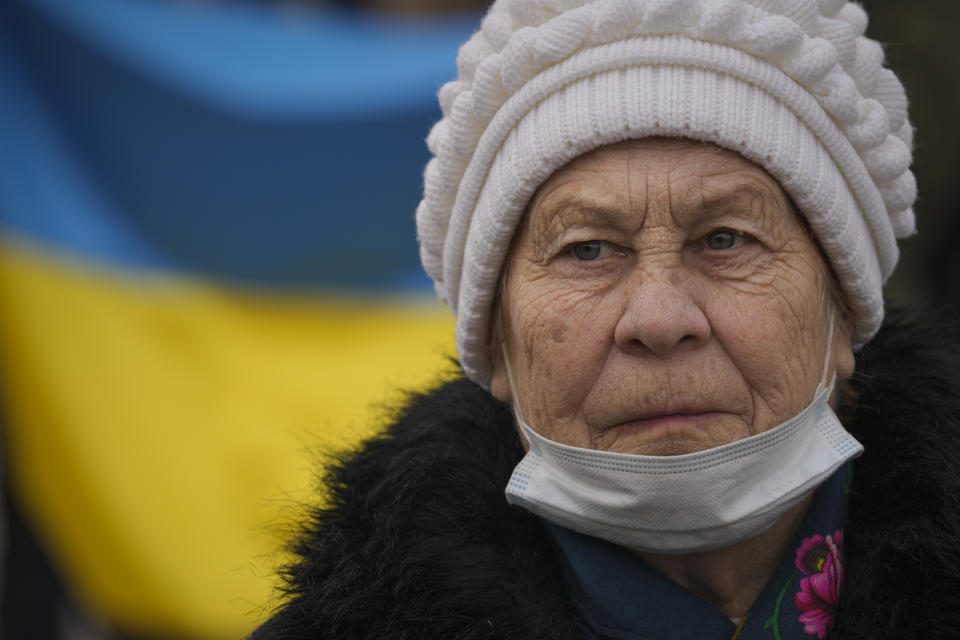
{"points": [[667, 419]]}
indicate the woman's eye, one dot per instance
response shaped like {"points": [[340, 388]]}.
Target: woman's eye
{"points": [[722, 239], [591, 250]]}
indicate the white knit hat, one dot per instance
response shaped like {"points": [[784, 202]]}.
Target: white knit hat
{"points": [[789, 84]]}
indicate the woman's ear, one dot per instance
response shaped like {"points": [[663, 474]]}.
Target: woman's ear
{"points": [[500, 384], [497, 344], [842, 355], [499, 378]]}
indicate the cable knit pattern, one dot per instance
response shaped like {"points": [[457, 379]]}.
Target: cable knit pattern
{"points": [[790, 84]]}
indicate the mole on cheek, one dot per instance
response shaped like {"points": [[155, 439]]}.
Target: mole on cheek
{"points": [[559, 333]]}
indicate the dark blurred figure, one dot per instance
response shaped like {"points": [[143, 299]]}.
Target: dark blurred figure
{"points": [[919, 41]]}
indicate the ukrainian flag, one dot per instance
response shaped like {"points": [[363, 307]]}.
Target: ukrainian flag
{"points": [[208, 269]]}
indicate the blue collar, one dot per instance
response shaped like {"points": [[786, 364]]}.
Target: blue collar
{"points": [[619, 597]]}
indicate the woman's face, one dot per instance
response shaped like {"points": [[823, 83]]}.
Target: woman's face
{"points": [[663, 298]]}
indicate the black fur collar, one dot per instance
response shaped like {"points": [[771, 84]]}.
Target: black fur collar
{"points": [[902, 540], [418, 542]]}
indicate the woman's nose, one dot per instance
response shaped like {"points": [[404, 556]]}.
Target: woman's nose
{"points": [[660, 315]]}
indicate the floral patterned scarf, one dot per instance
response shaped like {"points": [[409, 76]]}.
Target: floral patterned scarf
{"points": [[620, 598]]}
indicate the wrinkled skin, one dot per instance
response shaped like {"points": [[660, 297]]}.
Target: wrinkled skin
{"points": [[663, 297]]}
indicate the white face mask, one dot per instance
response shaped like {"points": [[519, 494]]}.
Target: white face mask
{"points": [[686, 503]]}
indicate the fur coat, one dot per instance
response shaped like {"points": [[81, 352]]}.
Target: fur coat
{"points": [[417, 541]]}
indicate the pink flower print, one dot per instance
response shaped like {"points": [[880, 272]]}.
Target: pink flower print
{"points": [[821, 559]]}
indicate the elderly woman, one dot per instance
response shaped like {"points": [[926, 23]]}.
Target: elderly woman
{"points": [[664, 227]]}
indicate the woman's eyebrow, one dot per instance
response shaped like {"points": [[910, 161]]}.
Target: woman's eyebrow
{"points": [[574, 210], [724, 200], [552, 217]]}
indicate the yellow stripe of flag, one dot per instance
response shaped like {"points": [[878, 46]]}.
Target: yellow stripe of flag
{"points": [[160, 429]]}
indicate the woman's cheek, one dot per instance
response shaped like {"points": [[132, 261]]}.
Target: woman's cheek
{"points": [[563, 345], [772, 334]]}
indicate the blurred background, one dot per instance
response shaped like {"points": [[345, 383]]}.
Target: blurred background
{"points": [[209, 275]]}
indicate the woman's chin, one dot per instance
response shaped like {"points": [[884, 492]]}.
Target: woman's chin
{"points": [[669, 435]]}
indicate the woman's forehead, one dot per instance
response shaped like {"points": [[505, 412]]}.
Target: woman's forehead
{"points": [[637, 173]]}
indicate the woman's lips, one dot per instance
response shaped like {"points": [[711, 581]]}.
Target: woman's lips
{"points": [[662, 420]]}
